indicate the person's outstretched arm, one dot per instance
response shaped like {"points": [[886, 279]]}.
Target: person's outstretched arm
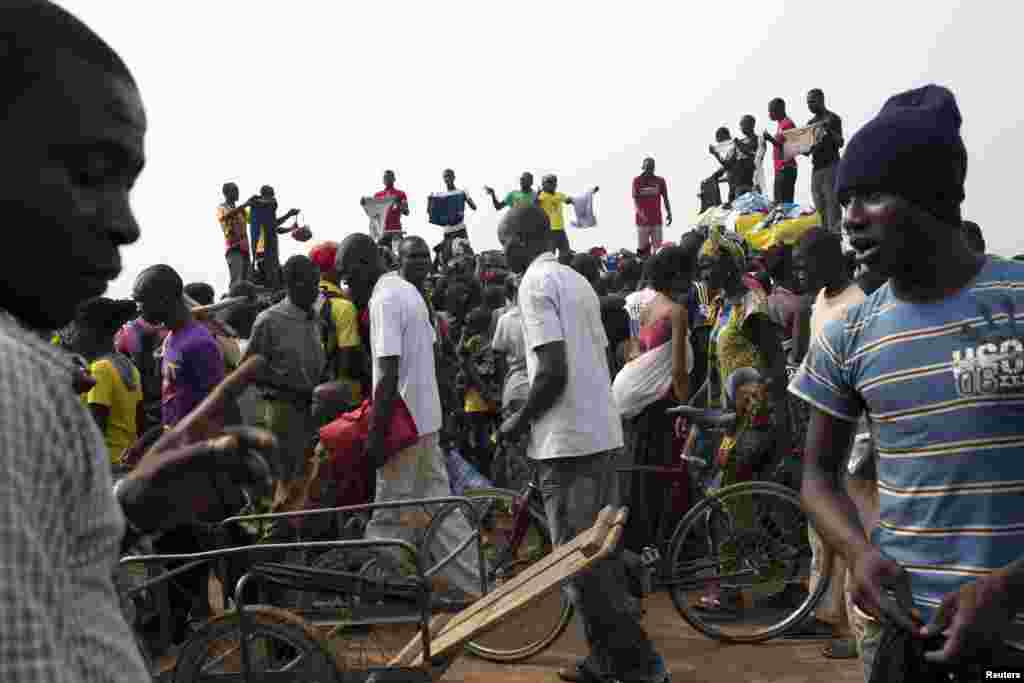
{"points": [[498, 206]]}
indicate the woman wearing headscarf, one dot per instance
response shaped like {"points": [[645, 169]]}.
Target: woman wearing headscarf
{"points": [[743, 335]]}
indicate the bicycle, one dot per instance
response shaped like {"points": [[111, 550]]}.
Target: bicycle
{"points": [[748, 539], [686, 561]]}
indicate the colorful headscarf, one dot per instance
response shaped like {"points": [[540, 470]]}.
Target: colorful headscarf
{"points": [[719, 244]]}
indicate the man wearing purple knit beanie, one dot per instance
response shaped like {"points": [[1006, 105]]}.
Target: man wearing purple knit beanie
{"points": [[935, 360]]}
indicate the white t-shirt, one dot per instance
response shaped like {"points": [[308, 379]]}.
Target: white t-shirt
{"points": [[558, 304], [508, 339], [400, 326]]}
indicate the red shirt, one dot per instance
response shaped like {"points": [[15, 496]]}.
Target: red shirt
{"points": [[780, 163], [393, 221], [647, 193]]}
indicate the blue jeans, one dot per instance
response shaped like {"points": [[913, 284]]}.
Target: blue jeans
{"points": [[574, 491]]}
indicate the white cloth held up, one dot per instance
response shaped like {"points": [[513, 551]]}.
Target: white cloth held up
{"points": [[377, 210], [584, 208]]}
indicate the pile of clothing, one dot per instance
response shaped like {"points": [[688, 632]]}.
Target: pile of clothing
{"points": [[758, 222]]}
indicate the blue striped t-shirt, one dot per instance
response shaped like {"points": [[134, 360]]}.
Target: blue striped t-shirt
{"points": [[943, 383]]}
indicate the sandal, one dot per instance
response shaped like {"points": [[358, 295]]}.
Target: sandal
{"points": [[841, 648], [578, 673], [709, 605]]}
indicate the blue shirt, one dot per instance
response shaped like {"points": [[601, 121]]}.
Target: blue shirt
{"points": [[945, 391], [447, 209]]}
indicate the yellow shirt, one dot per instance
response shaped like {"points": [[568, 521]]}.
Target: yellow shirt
{"points": [[553, 204], [110, 391], [346, 332], [475, 403]]}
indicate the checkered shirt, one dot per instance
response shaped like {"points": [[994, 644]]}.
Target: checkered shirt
{"points": [[60, 527]]}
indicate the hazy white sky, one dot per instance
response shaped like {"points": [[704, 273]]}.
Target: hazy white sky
{"points": [[317, 98]]}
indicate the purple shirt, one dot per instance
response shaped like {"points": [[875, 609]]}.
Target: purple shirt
{"points": [[192, 366]]}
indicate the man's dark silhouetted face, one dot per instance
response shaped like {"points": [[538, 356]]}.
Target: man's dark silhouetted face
{"points": [[231, 192], [526, 182], [776, 110], [73, 148], [157, 295], [449, 179], [747, 124], [302, 279], [414, 260], [648, 166], [359, 267], [389, 179], [816, 102]]}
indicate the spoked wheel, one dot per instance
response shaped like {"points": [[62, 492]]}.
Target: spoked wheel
{"points": [[740, 564], [534, 629], [277, 641]]}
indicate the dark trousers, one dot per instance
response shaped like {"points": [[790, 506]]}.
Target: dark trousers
{"points": [[785, 185], [823, 190], [574, 491], [271, 262], [560, 243], [238, 265]]}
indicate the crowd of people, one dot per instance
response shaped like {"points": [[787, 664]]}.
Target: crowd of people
{"points": [[886, 382]]}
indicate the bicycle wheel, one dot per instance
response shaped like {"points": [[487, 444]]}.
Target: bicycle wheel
{"points": [[749, 541], [534, 629], [278, 642]]}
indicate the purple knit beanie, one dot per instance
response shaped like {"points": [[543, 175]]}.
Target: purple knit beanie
{"points": [[913, 149]]}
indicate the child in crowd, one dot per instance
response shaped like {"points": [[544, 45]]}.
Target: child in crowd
{"points": [[480, 384], [115, 401]]}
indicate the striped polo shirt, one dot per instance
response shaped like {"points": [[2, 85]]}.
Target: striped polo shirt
{"points": [[944, 385]]}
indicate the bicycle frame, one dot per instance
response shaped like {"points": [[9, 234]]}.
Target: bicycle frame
{"points": [[464, 503]]}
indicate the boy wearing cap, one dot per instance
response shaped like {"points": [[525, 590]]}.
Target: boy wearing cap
{"points": [[933, 358], [553, 202]]}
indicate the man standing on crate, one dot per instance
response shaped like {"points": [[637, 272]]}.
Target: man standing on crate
{"points": [[447, 210], [648, 192], [825, 160], [576, 430], [392, 229]]}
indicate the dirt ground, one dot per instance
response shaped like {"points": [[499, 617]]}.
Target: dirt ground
{"points": [[691, 657]]}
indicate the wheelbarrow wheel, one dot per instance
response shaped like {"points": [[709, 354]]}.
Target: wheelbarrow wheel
{"points": [[277, 642], [535, 629]]}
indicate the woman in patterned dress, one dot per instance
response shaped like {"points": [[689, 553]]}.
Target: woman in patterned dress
{"points": [[743, 335]]}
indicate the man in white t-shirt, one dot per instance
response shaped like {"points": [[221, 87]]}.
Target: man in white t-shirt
{"points": [[575, 432], [402, 346]]}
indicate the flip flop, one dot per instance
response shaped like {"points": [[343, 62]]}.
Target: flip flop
{"points": [[841, 648], [714, 606], [578, 673]]}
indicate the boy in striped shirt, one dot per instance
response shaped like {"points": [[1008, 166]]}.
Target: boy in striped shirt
{"points": [[934, 358]]}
